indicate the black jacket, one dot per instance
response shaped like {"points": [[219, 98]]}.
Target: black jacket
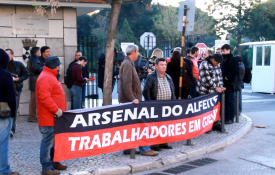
{"points": [[101, 72], [173, 69], [150, 90], [230, 69], [34, 67], [7, 92], [20, 70]]}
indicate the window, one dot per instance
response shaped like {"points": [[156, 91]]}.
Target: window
{"points": [[259, 56], [267, 55]]}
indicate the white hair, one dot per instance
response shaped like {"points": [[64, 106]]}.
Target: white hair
{"points": [[79, 52], [131, 48], [177, 49]]}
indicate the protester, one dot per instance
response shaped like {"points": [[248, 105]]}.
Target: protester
{"points": [[188, 52], [85, 74], [211, 80], [241, 83], [210, 76], [230, 70], [51, 101], [159, 86], [173, 69], [219, 51], [45, 53], [206, 54], [195, 70], [79, 82], [7, 100], [101, 71], [34, 67], [20, 74], [130, 88]]}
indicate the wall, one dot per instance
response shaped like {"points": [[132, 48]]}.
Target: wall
{"points": [[62, 40]]}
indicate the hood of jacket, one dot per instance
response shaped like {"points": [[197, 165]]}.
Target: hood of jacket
{"points": [[4, 59]]}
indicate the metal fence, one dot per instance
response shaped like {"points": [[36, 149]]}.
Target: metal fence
{"points": [[88, 46]]}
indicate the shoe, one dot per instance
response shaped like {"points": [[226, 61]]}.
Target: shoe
{"points": [[208, 132], [155, 148], [150, 153], [228, 122], [49, 172], [14, 173], [165, 147], [129, 152], [217, 127], [33, 120], [59, 166]]}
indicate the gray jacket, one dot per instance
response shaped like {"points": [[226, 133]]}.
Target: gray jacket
{"points": [[241, 74]]}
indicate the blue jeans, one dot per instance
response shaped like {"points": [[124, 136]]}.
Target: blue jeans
{"points": [[76, 96], [5, 128], [47, 143], [229, 105], [83, 94], [142, 149]]}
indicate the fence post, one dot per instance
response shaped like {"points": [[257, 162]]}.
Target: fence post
{"points": [[223, 113], [237, 106], [133, 154]]}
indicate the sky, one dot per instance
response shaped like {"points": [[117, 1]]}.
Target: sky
{"points": [[199, 3]]}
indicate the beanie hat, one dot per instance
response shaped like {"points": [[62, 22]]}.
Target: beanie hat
{"points": [[52, 62]]}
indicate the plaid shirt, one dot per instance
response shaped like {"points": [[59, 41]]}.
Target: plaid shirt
{"points": [[164, 89], [210, 78]]}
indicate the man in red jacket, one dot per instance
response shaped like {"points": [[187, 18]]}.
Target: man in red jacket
{"points": [[51, 101]]}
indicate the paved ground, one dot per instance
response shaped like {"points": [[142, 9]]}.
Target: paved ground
{"points": [[24, 150], [251, 155]]}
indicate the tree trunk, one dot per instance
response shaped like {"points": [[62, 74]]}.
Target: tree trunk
{"points": [[108, 77], [239, 46]]}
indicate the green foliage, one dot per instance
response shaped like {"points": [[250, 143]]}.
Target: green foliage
{"points": [[261, 22]]}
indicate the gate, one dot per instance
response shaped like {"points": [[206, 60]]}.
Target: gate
{"points": [[88, 46]]}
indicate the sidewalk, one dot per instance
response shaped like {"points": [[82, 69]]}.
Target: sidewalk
{"points": [[25, 147]]}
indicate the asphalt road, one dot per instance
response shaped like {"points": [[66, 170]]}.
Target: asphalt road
{"points": [[254, 154]]}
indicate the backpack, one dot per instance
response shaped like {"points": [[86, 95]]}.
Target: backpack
{"points": [[247, 75], [68, 79]]}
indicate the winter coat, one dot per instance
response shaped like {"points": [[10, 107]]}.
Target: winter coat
{"points": [[230, 69], [50, 96], [129, 83], [150, 90], [20, 70], [34, 67], [241, 74], [173, 69], [7, 92], [210, 78]]}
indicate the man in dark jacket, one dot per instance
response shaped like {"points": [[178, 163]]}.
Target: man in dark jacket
{"points": [[45, 53], [101, 71], [34, 67], [241, 84], [8, 109], [85, 74], [159, 86], [79, 82], [20, 74], [230, 70]]}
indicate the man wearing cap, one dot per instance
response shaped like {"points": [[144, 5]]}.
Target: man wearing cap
{"points": [[51, 101]]}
